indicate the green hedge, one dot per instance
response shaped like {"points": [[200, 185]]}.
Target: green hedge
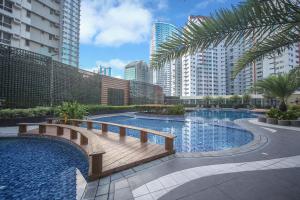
{"points": [[25, 113], [94, 109], [161, 109]]}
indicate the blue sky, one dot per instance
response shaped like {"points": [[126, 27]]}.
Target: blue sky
{"points": [[115, 32]]}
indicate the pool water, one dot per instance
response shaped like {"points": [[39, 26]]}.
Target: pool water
{"points": [[39, 169], [199, 131]]}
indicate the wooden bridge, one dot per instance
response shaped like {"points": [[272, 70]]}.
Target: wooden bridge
{"points": [[107, 152]]}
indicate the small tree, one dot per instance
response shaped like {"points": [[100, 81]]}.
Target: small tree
{"points": [[246, 98], [281, 86], [71, 110], [207, 100], [235, 99], [220, 100]]}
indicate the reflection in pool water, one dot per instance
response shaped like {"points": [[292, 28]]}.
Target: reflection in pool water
{"points": [[199, 131]]}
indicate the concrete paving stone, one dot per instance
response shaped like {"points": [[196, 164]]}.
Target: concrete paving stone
{"points": [[121, 184], [123, 194], [104, 181], [90, 192], [127, 172], [154, 186], [116, 176], [111, 196], [139, 168], [103, 189], [208, 194], [158, 194], [167, 181], [143, 190], [102, 197], [144, 197]]}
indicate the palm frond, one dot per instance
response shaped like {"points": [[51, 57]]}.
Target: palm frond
{"points": [[257, 18], [273, 44]]}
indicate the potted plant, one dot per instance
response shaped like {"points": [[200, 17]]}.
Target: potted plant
{"points": [[262, 119], [272, 116]]}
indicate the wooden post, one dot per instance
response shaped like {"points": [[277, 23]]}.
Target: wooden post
{"points": [[169, 145], [122, 131], [22, 128], [89, 125], [96, 165], [144, 137], [42, 128], [104, 127], [83, 140], [59, 130], [73, 134], [50, 121], [75, 123]]}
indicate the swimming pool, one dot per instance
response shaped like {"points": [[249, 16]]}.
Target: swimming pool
{"points": [[33, 168], [198, 131]]}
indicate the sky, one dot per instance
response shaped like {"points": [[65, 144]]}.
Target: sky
{"points": [[116, 32]]}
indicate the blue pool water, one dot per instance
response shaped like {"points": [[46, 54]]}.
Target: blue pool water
{"points": [[199, 131], [39, 169]]}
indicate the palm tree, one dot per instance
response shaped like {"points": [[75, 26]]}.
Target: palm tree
{"points": [[246, 98], [207, 100], [281, 86], [269, 25]]}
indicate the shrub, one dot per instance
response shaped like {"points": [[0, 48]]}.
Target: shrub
{"points": [[71, 110], [94, 108], [161, 109], [23, 113], [274, 113]]}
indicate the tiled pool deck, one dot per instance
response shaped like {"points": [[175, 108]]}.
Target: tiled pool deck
{"points": [[268, 170]]}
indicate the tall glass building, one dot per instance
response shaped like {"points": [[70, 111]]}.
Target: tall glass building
{"points": [[48, 27], [138, 71], [161, 31]]}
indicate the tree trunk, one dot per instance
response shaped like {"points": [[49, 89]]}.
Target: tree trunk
{"points": [[282, 106]]}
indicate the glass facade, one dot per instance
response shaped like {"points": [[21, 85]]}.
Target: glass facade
{"points": [[145, 93], [70, 23], [130, 73]]}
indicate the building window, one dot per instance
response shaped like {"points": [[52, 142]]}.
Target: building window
{"points": [[5, 21], [27, 28], [6, 5], [5, 37], [29, 1], [50, 37], [27, 43], [28, 14]]}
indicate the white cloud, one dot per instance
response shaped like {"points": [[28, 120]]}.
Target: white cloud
{"points": [[114, 22], [113, 63]]}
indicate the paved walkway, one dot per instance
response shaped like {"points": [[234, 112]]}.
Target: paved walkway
{"points": [[269, 172]]}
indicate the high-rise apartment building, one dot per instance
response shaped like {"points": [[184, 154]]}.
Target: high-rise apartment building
{"points": [[163, 77], [48, 27], [204, 72], [138, 71], [258, 70]]}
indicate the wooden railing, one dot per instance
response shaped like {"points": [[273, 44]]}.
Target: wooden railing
{"points": [[169, 138], [92, 142]]}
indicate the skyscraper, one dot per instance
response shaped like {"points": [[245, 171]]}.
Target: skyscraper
{"points": [[138, 71], [48, 27], [161, 31], [204, 73]]}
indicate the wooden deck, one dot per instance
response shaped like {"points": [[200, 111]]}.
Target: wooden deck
{"points": [[119, 152]]}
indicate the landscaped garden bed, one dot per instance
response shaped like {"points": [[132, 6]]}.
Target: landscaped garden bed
{"points": [[161, 109]]}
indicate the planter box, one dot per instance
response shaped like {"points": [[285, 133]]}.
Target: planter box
{"points": [[262, 119], [272, 121], [295, 123], [284, 122]]}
